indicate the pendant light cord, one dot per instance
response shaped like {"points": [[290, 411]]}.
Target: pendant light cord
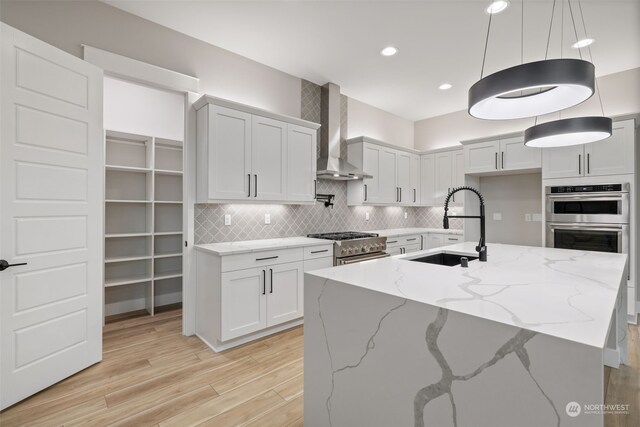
{"points": [[486, 43], [522, 34], [590, 56], [575, 31], [553, 10]]}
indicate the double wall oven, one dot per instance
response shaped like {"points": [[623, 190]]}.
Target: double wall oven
{"points": [[588, 217]]}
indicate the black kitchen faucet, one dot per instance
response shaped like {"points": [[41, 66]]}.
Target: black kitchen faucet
{"points": [[481, 248]]}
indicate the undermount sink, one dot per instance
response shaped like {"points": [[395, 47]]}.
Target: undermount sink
{"points": [[443, 258]]}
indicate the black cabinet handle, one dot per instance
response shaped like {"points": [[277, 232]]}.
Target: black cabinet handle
{"points": [[269, 257], [264, 282], [255, 190], [4, 264], [579, 164], [452, 238], [365, 192], [502, 159], [414, 195], [271, 280], [496, 160], [249, 177], [392, 241], [318, 252], [588, 163], [315, 188], [411, 240], [400, 194]]}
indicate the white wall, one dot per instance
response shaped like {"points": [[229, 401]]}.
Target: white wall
{"points": [[365, 120], [620, 95], [68, 24]]}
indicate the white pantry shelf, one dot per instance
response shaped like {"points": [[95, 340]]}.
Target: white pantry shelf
{"points": [[126, 258], [167, 255], [110, 283]]}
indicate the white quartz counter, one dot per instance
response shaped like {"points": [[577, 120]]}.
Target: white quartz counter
{"points": [[394, 232], [229, 248], [567, 294]]}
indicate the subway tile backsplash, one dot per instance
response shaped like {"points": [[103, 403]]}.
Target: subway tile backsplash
{"points": [[247, 220]]}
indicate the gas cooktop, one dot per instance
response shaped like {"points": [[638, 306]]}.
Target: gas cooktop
{"points": [[343, 235]]}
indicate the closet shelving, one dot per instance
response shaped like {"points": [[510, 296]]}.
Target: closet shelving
{"points": [[143, 219]]}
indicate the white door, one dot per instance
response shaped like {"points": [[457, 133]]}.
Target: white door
{"points": [[427, 179], [563, 162], [457, 176], [514, 155], [284, 292], [229, 164], [614, 155], [482, 157], [371, 165], [51, 186], [389, 192], [444, 177], [244, 302], [403, 177], [268, 158], [301, 164]]}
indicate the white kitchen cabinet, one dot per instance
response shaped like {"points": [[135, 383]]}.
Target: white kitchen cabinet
{"points": [[395, 174], [403, 244], [245, 305], [612, 156], [284, 293], [250, 155], [507, 154], [449, 174], [317, 263], [301, 163], [427, 179], [436, 240]]}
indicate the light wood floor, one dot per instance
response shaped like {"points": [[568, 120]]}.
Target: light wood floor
{"points": [[152, 375]]}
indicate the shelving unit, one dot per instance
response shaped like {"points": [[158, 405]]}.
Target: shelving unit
{"points": [[143, 222]]}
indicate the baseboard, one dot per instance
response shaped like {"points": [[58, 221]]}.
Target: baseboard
{"points": [[222, 346]]}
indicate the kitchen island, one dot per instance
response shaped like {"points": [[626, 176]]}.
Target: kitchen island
{"points": [[519, 340]]}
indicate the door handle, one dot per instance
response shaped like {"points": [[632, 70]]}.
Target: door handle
{"points": [[249, 178], [264, 282], [271, 280], [4, 264], [255, 190]]}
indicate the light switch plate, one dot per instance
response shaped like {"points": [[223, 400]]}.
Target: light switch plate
{"points": [[497, 216], [406, 215], [366, 216], [537, 217], [527, 217], [267, 218], [227, 219]]}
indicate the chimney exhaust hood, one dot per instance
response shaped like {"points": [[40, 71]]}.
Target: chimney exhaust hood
{"points": [[330, 165]]}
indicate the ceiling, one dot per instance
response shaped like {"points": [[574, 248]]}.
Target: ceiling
{"points": [[438, 41]]}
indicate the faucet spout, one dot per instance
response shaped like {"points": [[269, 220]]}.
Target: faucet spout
{"points": [[481, 248]]}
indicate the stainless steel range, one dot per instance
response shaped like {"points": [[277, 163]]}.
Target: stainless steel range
{"points": [[351, 246]]}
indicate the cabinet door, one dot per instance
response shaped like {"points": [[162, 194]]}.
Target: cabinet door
{"points": [[403, 177], [435, 241], [244, 302], [414, 183], [371, 165], [394, 251], [448, 239], [318, 263], [444, 176], [427, 179], [515, 155], [268, 159], [301, 163], [412, 248], [284, 292], [614, 155], [229, 150], [387, 173], [457, 176], [563, 162], [482, 157]]}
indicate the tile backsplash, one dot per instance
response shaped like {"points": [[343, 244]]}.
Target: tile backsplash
{"points": [[247, 220]]}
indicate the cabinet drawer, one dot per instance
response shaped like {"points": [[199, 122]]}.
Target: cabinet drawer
{"points": [[410, 240], [318, 263], [322, 251], [394, 242], [412, 248], [260, 259], [449, 239]]}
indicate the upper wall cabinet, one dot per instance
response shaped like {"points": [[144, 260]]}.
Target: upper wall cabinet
{"points": [[612, 156], [442, 171], [252, 155], [508, 154], [395, 174]]}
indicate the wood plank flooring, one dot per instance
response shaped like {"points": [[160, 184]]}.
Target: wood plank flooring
{"points": [[151, 375]]}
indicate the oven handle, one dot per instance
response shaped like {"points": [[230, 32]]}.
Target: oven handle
{"points": [[592, 227], [592, 196], [352, 261]]}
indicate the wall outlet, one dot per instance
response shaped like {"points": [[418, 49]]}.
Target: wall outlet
{"points": [[537, 217], [267, 218], [497, 216], [366, 216], [227, 219], [406, 215], [527, 217]]}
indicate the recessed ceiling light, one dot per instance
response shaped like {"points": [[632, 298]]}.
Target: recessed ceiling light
{"points": [[445, 86], [389, 51], [497, 6], [582, 43]]}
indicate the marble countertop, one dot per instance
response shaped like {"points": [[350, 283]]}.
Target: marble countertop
{"points": [[563, 293], [393, 232], [230, 248]]}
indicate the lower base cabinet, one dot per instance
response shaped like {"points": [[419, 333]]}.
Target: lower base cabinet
{"points": [[436, 240], [397, 245]]}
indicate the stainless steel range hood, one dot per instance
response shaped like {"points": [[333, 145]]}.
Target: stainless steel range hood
{"points": [[330, 165]]}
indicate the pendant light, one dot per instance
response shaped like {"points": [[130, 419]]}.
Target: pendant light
{"points": [[572, 131], [531, 89]]}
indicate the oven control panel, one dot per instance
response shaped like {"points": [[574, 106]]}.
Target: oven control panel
{"points": [[600, 188]]}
